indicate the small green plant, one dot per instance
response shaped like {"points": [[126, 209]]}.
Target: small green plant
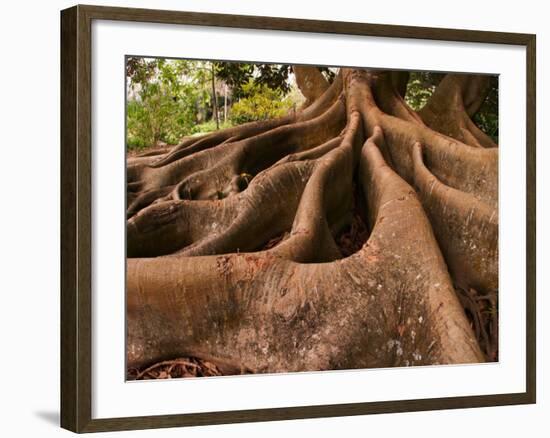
{"points": [[209, 126]]}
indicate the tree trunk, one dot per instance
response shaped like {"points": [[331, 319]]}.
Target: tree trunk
{"points": [[224, 103], [354, 233], [215, 100]]}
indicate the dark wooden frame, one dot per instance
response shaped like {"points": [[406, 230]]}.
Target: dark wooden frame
{"points": [[76, 168]]}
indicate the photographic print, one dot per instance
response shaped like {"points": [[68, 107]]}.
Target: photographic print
{"points": [[286, 218]]}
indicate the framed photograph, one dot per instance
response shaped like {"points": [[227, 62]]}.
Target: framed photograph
{"points": [[268, 218]]}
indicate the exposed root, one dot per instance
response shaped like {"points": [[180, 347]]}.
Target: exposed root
{"points": [[229, 135], [471, 170], [391, 100], [257, 300], [216, 227], [204, 174], [449, 110], [272, 243], [299, 246], [311, 82], [466, 228], [192, 145], [323, 203]]}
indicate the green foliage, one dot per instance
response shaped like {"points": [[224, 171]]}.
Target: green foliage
{"points": [[169, 99], [274, 76], [234, 74], [160, 115], [488, 123], [259, 103], [422, 85], [487, 116], [239, 75], [206, 127], [163, 102], [419, 89], [138, 133]]}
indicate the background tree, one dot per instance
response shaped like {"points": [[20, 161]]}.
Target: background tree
{"points": [[169, 99], [164, 99], [259, 102], [273, 76]]}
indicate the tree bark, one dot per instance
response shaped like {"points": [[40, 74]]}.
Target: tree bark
{"points": [[234, 239], [311, 83]]}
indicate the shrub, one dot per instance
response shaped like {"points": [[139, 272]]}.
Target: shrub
{"points": [[158, 116], [260, 103]]}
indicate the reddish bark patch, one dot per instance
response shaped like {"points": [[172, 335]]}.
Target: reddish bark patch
{"points": [[224, 265]]}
